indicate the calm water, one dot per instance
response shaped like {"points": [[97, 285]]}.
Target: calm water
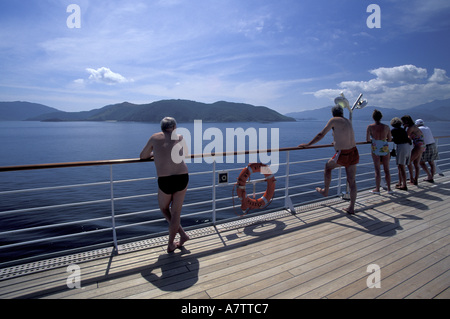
{"points": [[44, 142]]}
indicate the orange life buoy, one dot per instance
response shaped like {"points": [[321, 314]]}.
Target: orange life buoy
{"points": [[248, 203]]}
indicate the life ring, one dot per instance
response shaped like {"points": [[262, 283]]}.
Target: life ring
{"points": [[248, 203]]}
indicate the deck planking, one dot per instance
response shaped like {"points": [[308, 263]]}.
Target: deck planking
{"points": [[320, 252]]}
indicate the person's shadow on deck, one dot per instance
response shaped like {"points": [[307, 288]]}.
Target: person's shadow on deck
{"points": [[374, 226], [179, 271]]}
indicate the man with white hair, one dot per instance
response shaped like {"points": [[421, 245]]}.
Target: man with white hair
{"points": [[173, 177], [431, 153]]}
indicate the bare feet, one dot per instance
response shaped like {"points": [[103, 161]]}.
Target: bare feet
{"points": [[322, 191], [349, 211], [171, 247], [183, 239]]}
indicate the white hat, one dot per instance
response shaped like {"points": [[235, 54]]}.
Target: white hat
{"points": [[419, 122]]}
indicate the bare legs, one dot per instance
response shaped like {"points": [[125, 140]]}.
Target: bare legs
{"points": [[172, 214], [430, 173], [351, 180], [351, 173], [413, 167], [377, 161], [402, 177], [329, 166]]}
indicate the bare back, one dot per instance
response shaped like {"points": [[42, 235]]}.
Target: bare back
{"points": [[344, 137], [378, 131], [166, 152]]}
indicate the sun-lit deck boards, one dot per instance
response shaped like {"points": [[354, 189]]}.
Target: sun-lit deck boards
{"points": [[318, 253]]}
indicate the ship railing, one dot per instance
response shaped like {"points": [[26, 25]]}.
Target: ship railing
{"points": [[24, 237]]}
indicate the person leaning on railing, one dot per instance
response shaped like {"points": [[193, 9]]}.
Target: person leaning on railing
{"points": [[416, 136], [402, 152], [431, 153], [379, 135], [173, 177], [346, 153]]}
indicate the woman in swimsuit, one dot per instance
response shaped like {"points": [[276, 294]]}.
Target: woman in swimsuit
{"points": [[379, 135], [416, 136]]}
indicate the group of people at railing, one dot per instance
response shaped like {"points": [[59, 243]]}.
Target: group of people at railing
{"points": [[415, 146]]}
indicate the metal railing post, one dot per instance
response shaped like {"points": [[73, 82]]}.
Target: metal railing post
{"points": [[214, 192], [287, 200], [113, 218], [339, 188], [437, 170]]}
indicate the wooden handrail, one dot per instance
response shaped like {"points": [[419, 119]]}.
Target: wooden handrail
{"points": [[137, 160]]}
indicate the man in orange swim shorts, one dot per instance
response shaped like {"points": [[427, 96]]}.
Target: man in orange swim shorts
{"points": [[346, 153], [347, 157]]}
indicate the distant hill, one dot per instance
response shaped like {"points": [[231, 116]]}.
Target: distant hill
{"points": [[181, 110], [187, 111], [438, 110], [19, 111]]}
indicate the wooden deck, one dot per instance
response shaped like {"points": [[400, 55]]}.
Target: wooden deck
{"points": [[320, 252]]}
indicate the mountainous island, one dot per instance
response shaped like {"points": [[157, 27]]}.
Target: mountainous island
{"points": [[181, 110], [188, 111]]}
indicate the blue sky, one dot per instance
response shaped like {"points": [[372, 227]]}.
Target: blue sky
{"points": [[289, 55]]}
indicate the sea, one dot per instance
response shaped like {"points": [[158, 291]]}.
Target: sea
{"points": [[28, 143]]}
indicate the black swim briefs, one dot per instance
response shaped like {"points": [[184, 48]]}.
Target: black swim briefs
{"points": [[172, 184]]}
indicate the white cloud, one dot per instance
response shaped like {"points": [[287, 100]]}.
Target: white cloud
{"points": [[372, 86], [327, 93], [106, 76], [397, 87], [439, 75], [403, 73]]}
